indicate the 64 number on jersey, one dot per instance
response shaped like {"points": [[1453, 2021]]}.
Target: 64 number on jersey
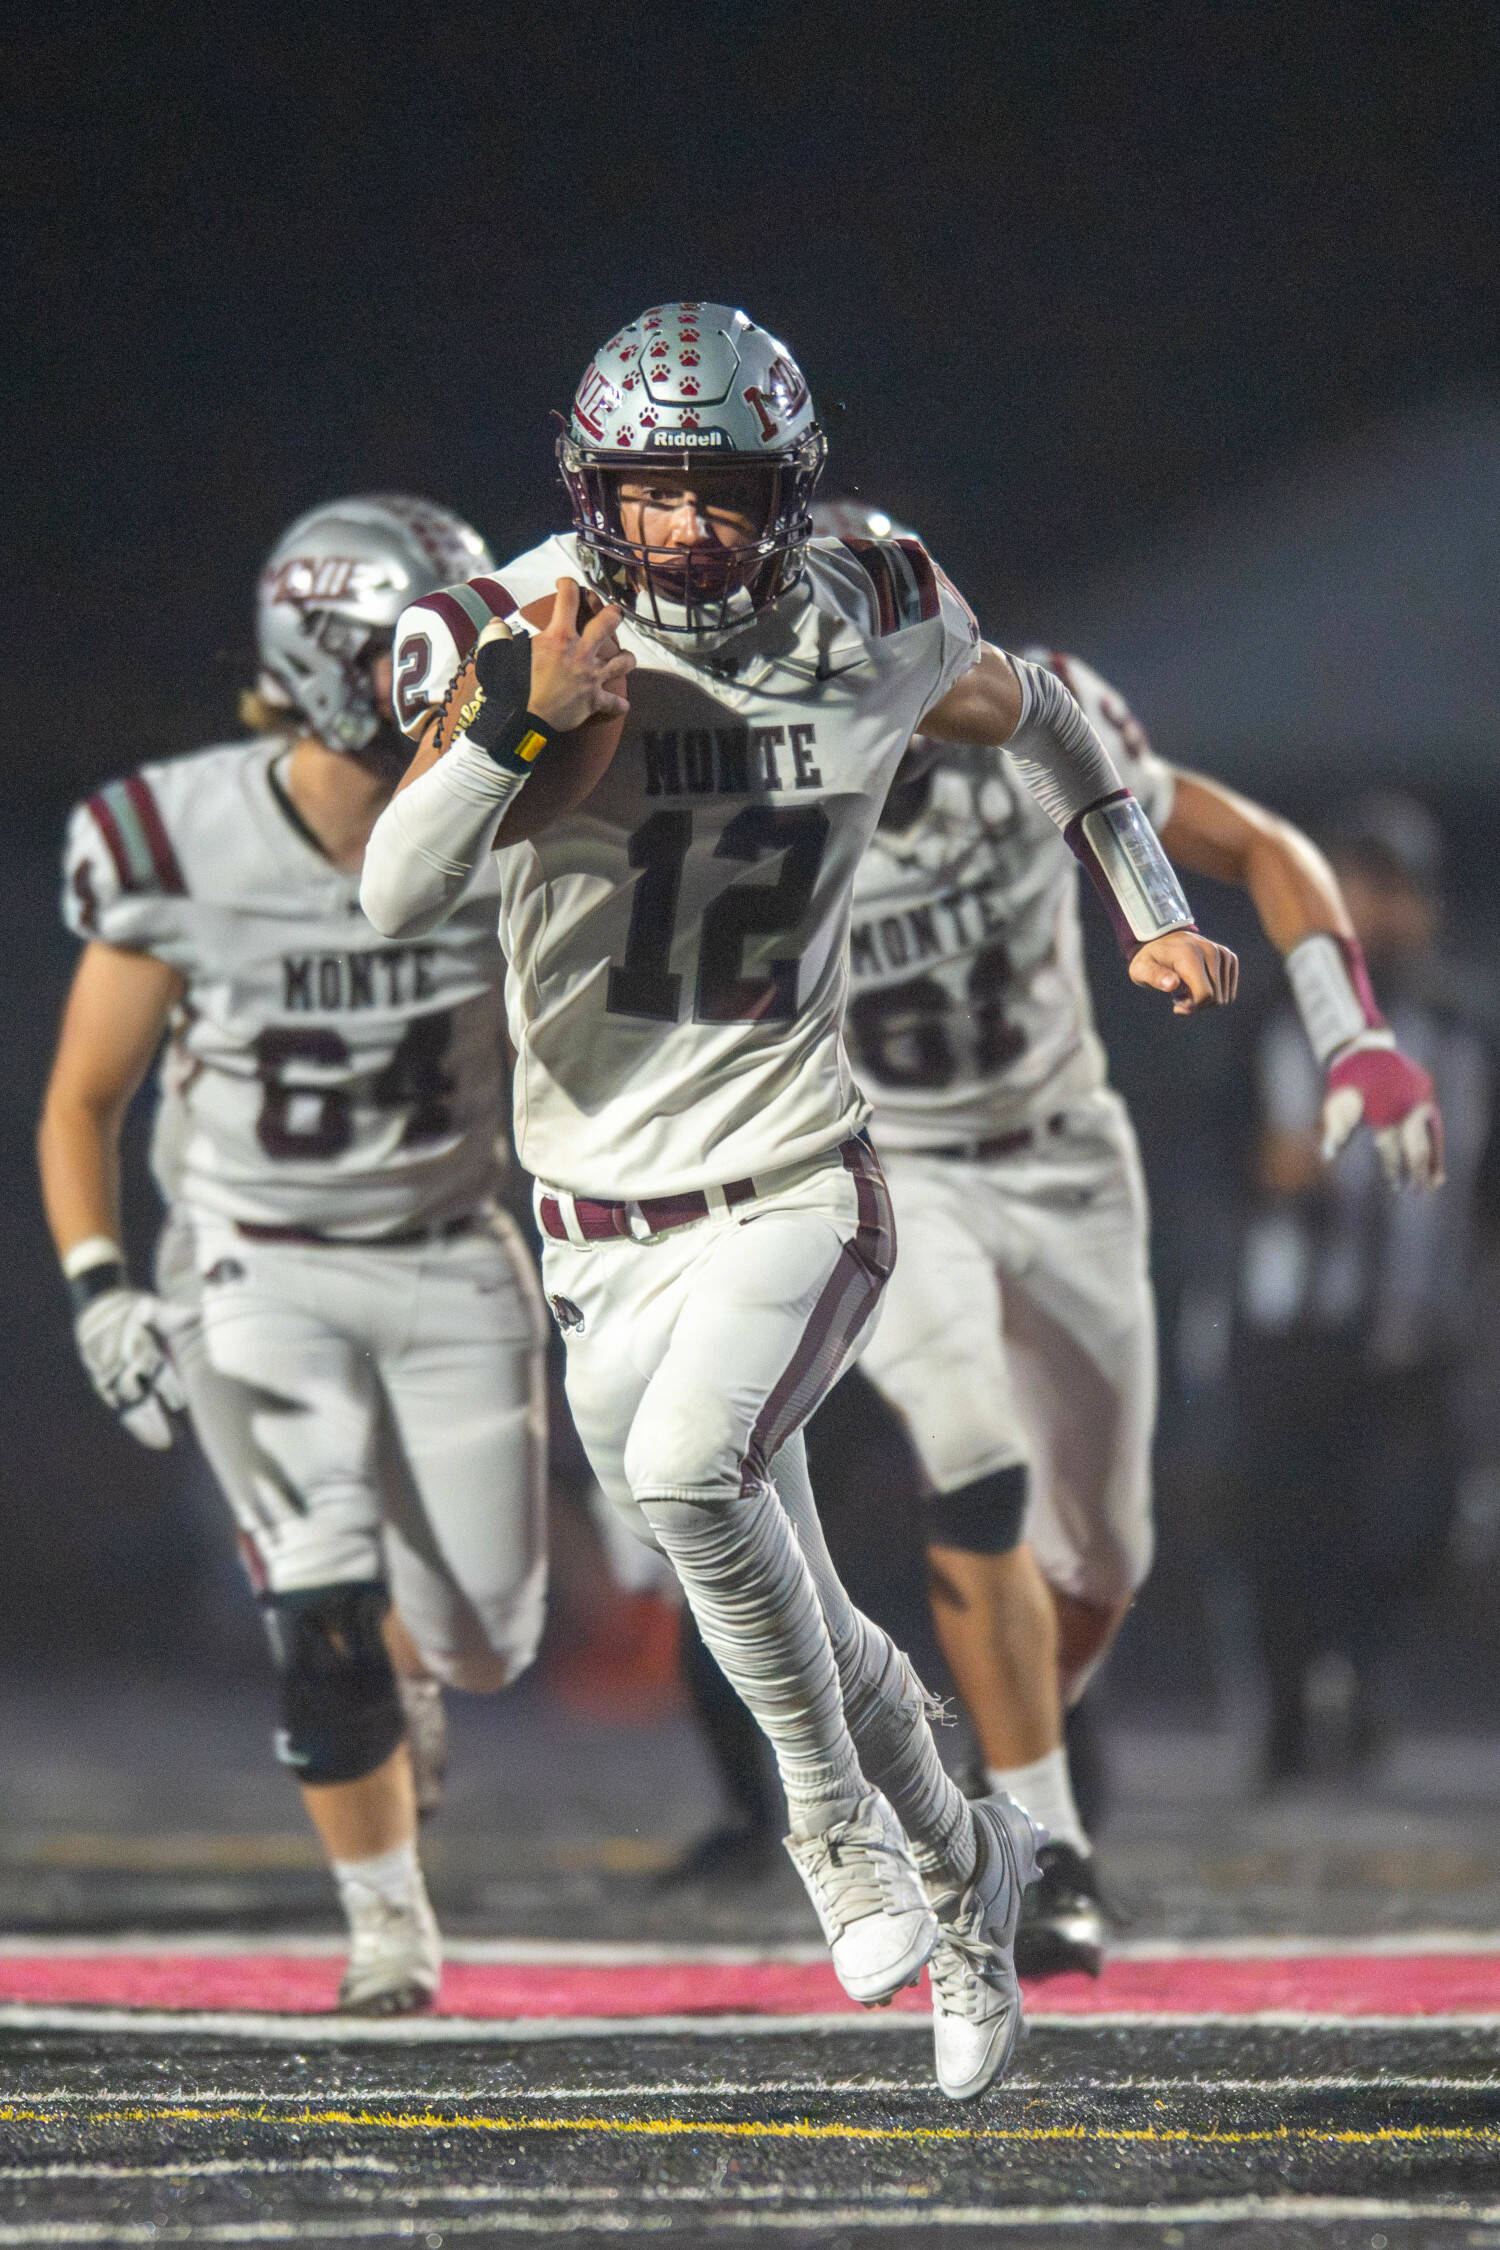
{"points": [[306, 1120]]}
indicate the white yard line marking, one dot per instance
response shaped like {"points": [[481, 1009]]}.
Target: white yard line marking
{"points": [[651, 1953], [619, 2216], [488, 2031], [208, 2168], [1062, 2089], [486, 1952]]}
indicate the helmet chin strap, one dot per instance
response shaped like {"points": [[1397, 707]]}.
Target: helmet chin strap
{"points": [[672, 621]]}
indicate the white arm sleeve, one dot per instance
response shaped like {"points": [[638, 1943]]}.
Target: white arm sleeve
{"points": [[1062, 761], [427, 844]]}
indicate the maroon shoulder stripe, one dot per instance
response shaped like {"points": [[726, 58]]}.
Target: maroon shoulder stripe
{"points": [[453, 614], [109, 829], [158, 842], [925, 575], [867, 553], [499, 597]]}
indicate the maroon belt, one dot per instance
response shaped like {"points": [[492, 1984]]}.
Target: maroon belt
{"points": [[998, 1144], [444, 1231], [599, 1222]]}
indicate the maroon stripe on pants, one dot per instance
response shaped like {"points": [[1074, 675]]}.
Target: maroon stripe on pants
{"points": [[847, 1301], [876, 1240], [158, 842]]}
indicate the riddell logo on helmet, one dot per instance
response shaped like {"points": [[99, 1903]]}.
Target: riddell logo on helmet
{"points": [[678, 440]]}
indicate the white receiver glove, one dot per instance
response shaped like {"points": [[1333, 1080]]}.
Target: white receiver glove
{"points": [[122, 1341]]}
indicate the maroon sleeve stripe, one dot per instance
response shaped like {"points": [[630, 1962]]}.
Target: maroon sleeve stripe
{"points": [[877, 569], [453, 614], [158, 842], [499, 597], [925, 575], [109, 829]]}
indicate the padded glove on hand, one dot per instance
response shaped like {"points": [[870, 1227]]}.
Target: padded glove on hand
{"points": [[122, 1345], [1378, 1086]]}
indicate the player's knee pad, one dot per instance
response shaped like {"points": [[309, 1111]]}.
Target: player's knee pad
{"points": [[981, 1518], [340, 1710]]}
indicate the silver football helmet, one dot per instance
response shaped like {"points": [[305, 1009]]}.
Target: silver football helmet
{"points": [[855, 519], [331, 592], [694, 393]]}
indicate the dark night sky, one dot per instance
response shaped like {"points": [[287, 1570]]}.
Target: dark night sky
{"points": [[1072, 271]]}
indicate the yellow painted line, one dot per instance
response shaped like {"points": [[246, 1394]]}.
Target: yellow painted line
{"points": [[771, 2129]]}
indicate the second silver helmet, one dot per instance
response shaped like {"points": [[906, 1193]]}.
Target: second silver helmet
{"points": [[331, 591]]}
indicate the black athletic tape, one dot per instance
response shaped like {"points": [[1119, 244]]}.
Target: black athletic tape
{"points": [[96, 1281], [982, 1518], [340, 1708], [497, 720]]}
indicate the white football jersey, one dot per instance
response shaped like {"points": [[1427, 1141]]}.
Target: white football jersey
{"points": [[969, 1014], [678, 945], [316, 1075]]}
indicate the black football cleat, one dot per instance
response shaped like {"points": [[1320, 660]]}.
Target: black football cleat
{"points": [[1063, 1923]]}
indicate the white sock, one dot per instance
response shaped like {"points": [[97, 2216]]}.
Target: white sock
{"points": [[1046, 1791], [394, 1877]]}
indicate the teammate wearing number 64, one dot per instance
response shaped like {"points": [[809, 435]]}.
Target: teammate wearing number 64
{"points": [[678, 798], [353, 1327]]}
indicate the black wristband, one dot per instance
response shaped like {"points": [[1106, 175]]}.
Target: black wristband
{"points": [[519, 742], [96, 1281]]}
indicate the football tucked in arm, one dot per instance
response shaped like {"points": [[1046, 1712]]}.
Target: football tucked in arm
{"points": [[567, 769]]}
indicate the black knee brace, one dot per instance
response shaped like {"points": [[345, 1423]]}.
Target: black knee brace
{"points": [[982, 1518], [340, 1712]]}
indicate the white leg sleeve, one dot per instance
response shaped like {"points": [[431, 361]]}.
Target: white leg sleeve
{"points": [[757, 1608], [885, 1705]]}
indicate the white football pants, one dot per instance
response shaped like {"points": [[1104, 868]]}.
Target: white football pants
{"points": [[1019, 1326], [694, 1357], [378, 1413]]}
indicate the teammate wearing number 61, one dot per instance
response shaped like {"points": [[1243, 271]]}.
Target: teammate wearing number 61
{"points": [[355, 1331], [680, 795], [1018, 1337]]}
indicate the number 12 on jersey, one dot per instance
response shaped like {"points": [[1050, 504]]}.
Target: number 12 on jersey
{"points": [[645, 983]]}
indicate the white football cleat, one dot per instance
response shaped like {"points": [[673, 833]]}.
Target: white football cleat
{"points": [[426, 1739], [395, 1954], [867, 1893], [976, 2000]]}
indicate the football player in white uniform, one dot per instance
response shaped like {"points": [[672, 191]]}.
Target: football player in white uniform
{"points": [[355, 1330], [675, 920], [1017, 1339]]}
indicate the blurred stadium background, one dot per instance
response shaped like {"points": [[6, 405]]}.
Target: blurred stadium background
{"points": [[1174, 335], [1174, 332]]}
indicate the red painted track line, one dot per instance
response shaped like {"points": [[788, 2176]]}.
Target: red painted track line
{"points": [[1415, 1984]]}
